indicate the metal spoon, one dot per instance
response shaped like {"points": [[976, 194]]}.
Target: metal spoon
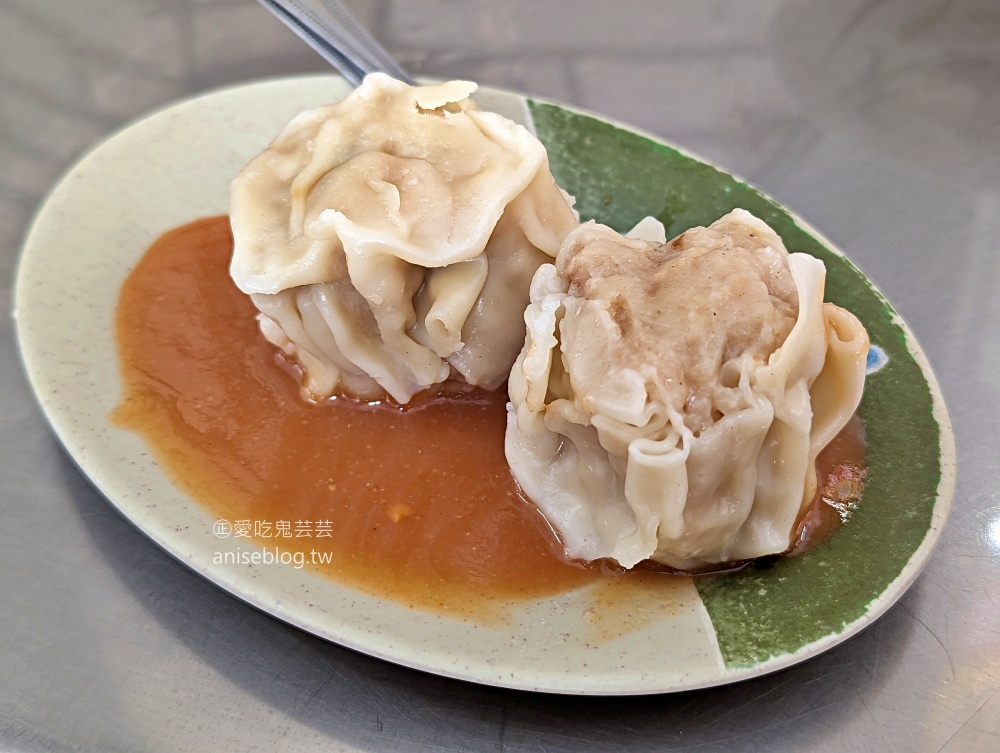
{"points": [[330, 30]]}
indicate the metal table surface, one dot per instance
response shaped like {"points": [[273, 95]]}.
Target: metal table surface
{"points": [[877, 120]]}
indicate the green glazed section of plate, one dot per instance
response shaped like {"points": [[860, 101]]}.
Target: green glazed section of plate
{"points": [[618, 177]]}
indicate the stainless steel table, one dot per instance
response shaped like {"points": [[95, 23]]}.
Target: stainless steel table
{"points": [[879, 121]]}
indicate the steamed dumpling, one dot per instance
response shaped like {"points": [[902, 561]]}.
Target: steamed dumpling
{"points": [[671, 399], [389, 239]]}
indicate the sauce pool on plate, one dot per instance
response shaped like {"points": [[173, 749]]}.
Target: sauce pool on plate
{"points": [[416, 505]]}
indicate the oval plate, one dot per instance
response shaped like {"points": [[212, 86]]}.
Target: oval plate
{"points": [[175, 165]]}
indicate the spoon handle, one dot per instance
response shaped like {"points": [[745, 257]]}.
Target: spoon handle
{"points": [[330, 30]]}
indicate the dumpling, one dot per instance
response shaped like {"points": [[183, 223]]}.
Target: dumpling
{"points": [[671, 399], [389, 239]]}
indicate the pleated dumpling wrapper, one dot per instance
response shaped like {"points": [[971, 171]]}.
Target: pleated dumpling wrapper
{"points": [[389, 239], [671, 399]]}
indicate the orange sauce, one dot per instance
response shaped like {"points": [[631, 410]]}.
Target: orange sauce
{"points": [[416, 505], [841, 472]]}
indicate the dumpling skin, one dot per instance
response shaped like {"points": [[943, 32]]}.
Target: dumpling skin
{"points": [[386, 238], [671, 399]]}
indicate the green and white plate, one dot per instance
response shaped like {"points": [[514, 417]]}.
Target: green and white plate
{"points": [[175, 165]]}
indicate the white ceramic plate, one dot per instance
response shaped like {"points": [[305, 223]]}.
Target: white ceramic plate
{"points": [[175, 165]]}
